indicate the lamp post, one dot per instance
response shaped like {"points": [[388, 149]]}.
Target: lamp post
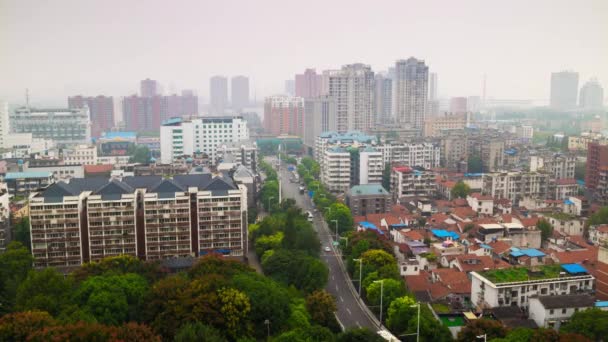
{"points": [[269, 198], [267, 322], [360, 260], [418, 327], [381, 281], [336, 221], [484, 336]]}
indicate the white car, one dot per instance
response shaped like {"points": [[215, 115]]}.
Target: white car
{"points": [[327, 249]]}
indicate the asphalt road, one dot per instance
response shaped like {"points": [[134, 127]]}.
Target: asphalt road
{"points": [[350, 313]]}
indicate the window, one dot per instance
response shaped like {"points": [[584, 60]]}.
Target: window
{"points": [[551, 312], [564, 310]]}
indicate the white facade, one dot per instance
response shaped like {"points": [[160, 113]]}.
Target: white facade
{"points": [[422, 154], [525, 132], [486, 294], [406, 182], [516, 185], [353, 89], [62, 126], [205, 134], [80, 155], [60, 172], [335, 170], [370, 167], [567, 225], [552, 312], [411, 91], [116, 160], [319, 117], [481, 204]]}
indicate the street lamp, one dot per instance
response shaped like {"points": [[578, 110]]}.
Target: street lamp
{"points": [[381, 281], [336, 221], [418, 328], [269, 198], [484, 336], [267, 322], [360, 273]]}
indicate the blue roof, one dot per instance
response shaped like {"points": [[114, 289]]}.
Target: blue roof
{"points": [[124, 135], [368, 225], [567, 201], [574, 268], [30, 174], [601, 304], [580, 182], [473, 174], [531, 252], [172, 121], [442, 234], [483, 245], [511, 152]]}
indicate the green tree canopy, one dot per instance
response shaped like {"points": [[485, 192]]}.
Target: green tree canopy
{"points": [[493, 329], [342, 214], [45, 290], [460, 190], [19, 325], [546, 229], [359, 335], [15, 264], [21, 232], [321, 306], [198, 331], [393, 289], [592, 323], [304, 272], [399, 313]]}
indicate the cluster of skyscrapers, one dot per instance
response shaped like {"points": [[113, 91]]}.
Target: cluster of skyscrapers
{"points": [[565, 92], [218, 94]]}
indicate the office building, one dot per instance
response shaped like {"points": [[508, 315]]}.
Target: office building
{"points": [[592, 95], [147, 113], [432, 104], [319, 117], [88, 219], [239, 153], [353, 88], [239, 93], [516, 286], [184, 105], [564, 90], [62, 126], [148, 88], [218, 95], [458, 104], [411, 90], [290, 87], [411, 181], [101, 111], [284, 115], [383, 99], [80, 155], [309, 84], [185, 137], [446, 121], [368, 199]]}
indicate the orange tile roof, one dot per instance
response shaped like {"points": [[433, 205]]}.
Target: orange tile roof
{"points": [[529, 222], [499, 247], [574, 257], [602, 228], [460, 202], [418, 282], [358, 219], [480, 197], [412, 235], [101, 168], [566, 181], [484, 262], [464, 212]]}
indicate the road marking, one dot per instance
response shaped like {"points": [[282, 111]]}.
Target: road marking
{"points": [[332, 277], [336, 287], [357, 323], [348, 310], [341, 299]]}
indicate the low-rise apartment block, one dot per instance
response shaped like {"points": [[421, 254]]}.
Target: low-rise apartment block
{"points": [[422, 154], [516, 185], [407, 182], [149, 217], [515, 286], [342, 168], [368, 199], [553, 311]]}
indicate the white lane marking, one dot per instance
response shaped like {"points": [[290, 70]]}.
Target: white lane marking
{"points": [[333, 278], [336, 287], [341, 299], [348, 310], [357, 323]]}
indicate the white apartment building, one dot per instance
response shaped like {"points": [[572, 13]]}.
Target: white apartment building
{"points": [[481, 204], [62, 126], [559, 165], [553, 311], [334, 139], [179, 138], [353, 88], [341, 169], [80, 155], [22, 144], [489, 289], [423, 154], [240, 152], [407, 181], [516, 185], [434, 126], [319, 117], [525, 132]]}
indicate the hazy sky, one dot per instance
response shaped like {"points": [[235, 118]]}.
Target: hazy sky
{"points": [[56, 48]]}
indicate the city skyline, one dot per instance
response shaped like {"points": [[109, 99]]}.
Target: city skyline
{"points": [[510, 43]]}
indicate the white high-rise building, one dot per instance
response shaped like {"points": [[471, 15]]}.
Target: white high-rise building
{"points": [[411, 90], [383, 98], [179, 138], [319, 117], [239, 93], [564, 89], [592, 95], [218, 95], [353, 88]]}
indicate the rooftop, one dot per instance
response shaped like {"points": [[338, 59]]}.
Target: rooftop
{"points": [[31, 174], [522, 274], [368, 189], [567, 301]]}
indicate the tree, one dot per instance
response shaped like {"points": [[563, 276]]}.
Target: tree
{"points": [[140, 154], [386, 177], [321, 306], [235, 307], [269, 301], [399, 313], [359, 335], [113, 299], [21, 232], [19, 325], [268, 242], [474, 164], [45, 290], [304, 272], [83, 331], [546, 229], [493, 329], [198, 331], [165, 309], [392, 290], [460, 190], [269, 195], [599, 217], [121, 264], [342, 214], [15, 264], [374, 259], [592, 323], [214, 264]]}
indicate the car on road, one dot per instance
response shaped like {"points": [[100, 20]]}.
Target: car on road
{"points": [[327, 249], [310, 216]]}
